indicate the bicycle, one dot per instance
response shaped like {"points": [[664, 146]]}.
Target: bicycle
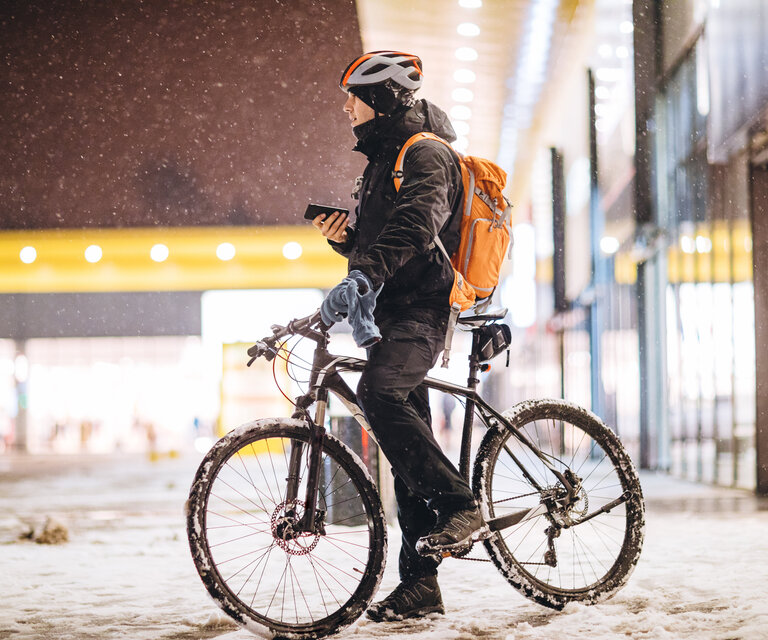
{"points": [[287, 530]]}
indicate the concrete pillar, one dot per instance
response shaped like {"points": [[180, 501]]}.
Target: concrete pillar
{"points": [[759, 208]]}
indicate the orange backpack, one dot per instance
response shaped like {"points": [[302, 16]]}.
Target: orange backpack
{"points": [[486, 233]]}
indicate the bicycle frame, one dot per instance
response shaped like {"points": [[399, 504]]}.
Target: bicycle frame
{"points": [[325, 377]]}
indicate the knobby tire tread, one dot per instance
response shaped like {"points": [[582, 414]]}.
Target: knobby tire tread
{"points": [[619, 573], [196, 508]]}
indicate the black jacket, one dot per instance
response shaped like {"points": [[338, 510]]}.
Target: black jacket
{"points": [[391, 236]]}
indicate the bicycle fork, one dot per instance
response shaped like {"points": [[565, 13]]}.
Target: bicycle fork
{"points": [[312, 519]]}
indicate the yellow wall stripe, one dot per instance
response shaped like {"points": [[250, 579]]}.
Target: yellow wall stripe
{"points": [[192, 263]]}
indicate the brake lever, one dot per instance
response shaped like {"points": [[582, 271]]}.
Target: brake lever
{"points": [[266, 347], [261, 348], [257, 350]]}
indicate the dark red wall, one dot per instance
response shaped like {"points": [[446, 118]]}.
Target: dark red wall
{"points": [[127, 113]]}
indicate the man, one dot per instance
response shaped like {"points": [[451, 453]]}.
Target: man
{"points": [[391, 247]]}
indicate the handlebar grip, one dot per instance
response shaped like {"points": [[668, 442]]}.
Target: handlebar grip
{"points": [[257, 350], [261, 348], [266, 347]]}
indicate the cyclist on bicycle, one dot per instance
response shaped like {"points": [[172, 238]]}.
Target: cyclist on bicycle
{"points": [[392, 245]]}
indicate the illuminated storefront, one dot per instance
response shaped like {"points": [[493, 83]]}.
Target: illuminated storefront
{"points": [[126, 352], [648, 298]]}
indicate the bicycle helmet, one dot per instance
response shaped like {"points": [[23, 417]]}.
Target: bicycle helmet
{"points": [[383, 79]]}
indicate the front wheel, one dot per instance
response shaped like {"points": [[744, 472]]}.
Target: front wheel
{"points": [[578, 549], [257, 564]]}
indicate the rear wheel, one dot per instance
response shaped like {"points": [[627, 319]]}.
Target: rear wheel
{"points": [[252, 558], [582, 550]]}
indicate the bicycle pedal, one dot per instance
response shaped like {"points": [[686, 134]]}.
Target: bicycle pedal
{"points": [[456, 553], [483, 533]]}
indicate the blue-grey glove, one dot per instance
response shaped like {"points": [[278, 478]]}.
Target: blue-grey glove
{"points": [[354, 296], [360, 317], [334, 308]]}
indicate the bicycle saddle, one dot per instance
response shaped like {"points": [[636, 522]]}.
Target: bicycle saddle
{"points": [[483, 318]]}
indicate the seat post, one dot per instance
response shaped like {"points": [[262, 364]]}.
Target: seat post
{"points": [[469, 409]]}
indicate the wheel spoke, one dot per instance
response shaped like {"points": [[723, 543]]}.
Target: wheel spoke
{"points": [[585, 557], [250, 546]]}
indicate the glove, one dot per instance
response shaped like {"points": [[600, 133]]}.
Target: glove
{"points": [[334, 308], [353, 296], [364, 330]]}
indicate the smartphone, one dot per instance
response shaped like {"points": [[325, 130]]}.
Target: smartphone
{"points": [[314, 210]]}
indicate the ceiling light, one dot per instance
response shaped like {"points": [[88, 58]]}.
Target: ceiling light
{"points": [[622, 52], [471, 4], [93, 253], [28, 255], [464, 75], [469, 29], [466, 54], [609, 74], [687, 244], [461, 127], [461, 112], [462, 94], [609, 245], [601, 110], [602, 125], [159, 253], [703, 244], [528, 78], [626, 27], [292, 250], [225, 251], [602, 93]]}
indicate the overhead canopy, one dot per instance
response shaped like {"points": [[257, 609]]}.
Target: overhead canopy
{"points": [[173, 113]]}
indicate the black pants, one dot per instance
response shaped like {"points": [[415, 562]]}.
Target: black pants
{"points": [[396, 404]]}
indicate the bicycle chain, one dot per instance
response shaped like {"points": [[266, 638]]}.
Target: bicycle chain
{"points": [[524, 495], [471, 559], [464, 555]]}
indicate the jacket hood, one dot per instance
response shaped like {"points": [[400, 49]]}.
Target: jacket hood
{"points": [[425, 116]]}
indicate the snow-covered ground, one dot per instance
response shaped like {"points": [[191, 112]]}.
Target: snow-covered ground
{"points": [[126, 571]]}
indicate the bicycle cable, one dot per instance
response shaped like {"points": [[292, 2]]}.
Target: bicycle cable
{"points": [[289, 361], [274, 372]]}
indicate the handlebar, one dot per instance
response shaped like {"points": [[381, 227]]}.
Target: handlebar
{"points": [[266, 347]]}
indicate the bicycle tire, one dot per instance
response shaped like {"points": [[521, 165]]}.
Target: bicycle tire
{"points": [[303, 587], [595, 556]]}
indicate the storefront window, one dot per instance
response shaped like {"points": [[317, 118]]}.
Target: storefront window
{"points": [[710, 303], [99, 395]]}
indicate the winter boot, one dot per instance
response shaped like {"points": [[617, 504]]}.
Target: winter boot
{"points": [[454, 532], [410, 599]]}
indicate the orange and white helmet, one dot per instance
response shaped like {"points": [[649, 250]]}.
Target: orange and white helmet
{"points": [[392, 68]]}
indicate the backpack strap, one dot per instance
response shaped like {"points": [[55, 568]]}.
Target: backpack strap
{"points": [[398, 177], [397, 174], [416, 137]]}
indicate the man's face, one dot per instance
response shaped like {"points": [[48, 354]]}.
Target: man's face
{"points": [[358, 111]]}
